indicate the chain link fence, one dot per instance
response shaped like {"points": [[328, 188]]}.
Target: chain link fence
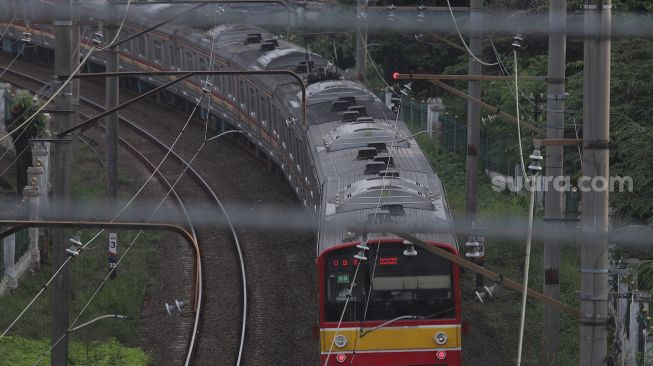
{"points": [[452, 136]]}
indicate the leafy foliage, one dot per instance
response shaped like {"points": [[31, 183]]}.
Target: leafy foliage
{"points": [[22, 107]]}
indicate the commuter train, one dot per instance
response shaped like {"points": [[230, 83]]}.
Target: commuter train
{"points": [[381, 300]]}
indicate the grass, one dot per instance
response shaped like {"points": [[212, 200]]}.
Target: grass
{"points": [[25, 351], [104, 341], [494, 325]]}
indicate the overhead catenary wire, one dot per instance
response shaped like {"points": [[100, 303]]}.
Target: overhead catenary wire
{"points": [[527, 261], [504, 71], [384, 182], [342, 314], [462, 39], [521, 152], [65, 83], [14, 161], [112, 220], [8, 26], [13, 60], [172, 186]]}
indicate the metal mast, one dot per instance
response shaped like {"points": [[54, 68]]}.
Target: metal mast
{"points": [[63, 66], [553, 208], [594, 217], [473, 128]]}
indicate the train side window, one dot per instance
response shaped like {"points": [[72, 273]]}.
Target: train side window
{"points": [[126, 47], [263, 109], [189, 60], [242, 93], [275, 119], [141, 42], [286, 130], [170, 55], [220, 79], [179, 57], [231, 79], [252, 102], [157, 46]]}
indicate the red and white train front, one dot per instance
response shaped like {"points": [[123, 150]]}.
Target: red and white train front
{"points": [[399, 306]]}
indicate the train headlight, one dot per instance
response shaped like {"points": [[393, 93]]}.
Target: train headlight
{"points": [[440, 338], [340, 341]]}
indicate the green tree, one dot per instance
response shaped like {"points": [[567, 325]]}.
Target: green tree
{"points": [[21, 107]]}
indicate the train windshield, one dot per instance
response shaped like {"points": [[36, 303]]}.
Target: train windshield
{"points": [[388, 285]]}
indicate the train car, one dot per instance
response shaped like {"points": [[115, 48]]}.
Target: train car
{"points": [[351, 160], [382, 301]]}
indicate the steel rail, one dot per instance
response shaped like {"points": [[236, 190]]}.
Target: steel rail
{"points": [[206, 187], [181, 76], [198, 258]]}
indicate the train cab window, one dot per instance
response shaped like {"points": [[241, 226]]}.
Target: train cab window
{"points": [[396, 285], [157, 47]]}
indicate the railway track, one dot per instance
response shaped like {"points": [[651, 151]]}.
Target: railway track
{"points": [[142, 134], [281, 291]]}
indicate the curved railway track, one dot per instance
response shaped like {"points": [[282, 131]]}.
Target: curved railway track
{"points": [[281, 292], [200, 181]]}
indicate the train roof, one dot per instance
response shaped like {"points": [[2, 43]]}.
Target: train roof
{"points": [[346, 121], [370, 167]]}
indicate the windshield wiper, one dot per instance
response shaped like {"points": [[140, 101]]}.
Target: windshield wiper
{"points": [[364, 333]]}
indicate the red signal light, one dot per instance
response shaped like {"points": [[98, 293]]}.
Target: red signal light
{"points": [[341, 358], [395, 75], [441, 355]]}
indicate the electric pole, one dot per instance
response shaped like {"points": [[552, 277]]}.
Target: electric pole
{"points": [[111, 121], [63, 66], [361, 40], [553, 207], [594, 215], [473, 136]]}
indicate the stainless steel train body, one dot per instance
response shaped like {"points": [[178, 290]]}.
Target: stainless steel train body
{"points": [[349, 161]]}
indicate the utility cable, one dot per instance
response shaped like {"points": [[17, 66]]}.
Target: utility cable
{"points": [[122, 23], [133, 241], [65, 83], [8, 26], [342, 314], [527, 262], [172, 187], [13, 161], [462, 39], [521, 153], [12, 61], [209, 87], [504, 71], [113, 219]]}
